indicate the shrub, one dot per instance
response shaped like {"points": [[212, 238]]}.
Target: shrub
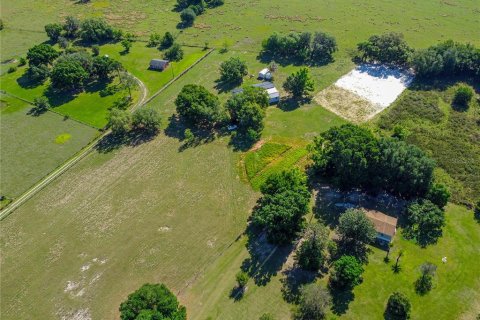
{"points": [[463, 96], [266, 316], [154, 40], [71, 26], [126, 44], [96, 30], [95, 50], [53, 30], [41, 104], [425, 282], [12, 69], [152, 301], [347, 272], [167, 40], [119, 121], [242, 279], [38, 73], [62, 42], [398, 306], [22, 61], [233, 70]]}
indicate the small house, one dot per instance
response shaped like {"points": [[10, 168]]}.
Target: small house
{"points": [[272, 92], [386, 226], [265, 74], [159, 64]]}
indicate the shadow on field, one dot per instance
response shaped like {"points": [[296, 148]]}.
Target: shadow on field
{"points": [[341, 299], [27, 82], [224, 87], [133, 138], [290, 104], [294, 279], [266, 259], [177, 128]]}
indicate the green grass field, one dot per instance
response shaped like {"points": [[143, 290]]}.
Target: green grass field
{"points": [[256, 161], [88, 107], [158, 212], [34, 146]]}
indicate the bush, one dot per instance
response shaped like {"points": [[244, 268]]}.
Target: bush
{"points": [[242, 279], [41, 104], [53, 30], [152, 301], [167, 40], [463, 96], [175, 53], [38, 73], [398, 306], [71, 26], [95, 50], [126, 44], [386, 48], [233, 70], [146, 119], [12, 69], [347, 272], [188, 17], [154, 40]]}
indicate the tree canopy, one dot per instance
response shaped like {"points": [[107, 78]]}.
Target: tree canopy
{"points": [[386, 48], [197, 105], [284, 203], [96, 30], [299, 83], [68, 74], [311, 253], [146, 119], [41, 54], [233, 70], [119, 121], [315, 301], [347, 272], [424, 222], [152, 301], [353, 157], [356, 230], [53, 30], [398, 306], [174, 53]]}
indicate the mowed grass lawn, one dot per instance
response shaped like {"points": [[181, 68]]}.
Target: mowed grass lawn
{"points": [[137, 62], [88, 106], [34, 146]]}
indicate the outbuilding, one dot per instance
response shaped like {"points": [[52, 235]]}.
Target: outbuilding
{"points": [[159, 64], [265, 74], [273, 93], [386, 226]]}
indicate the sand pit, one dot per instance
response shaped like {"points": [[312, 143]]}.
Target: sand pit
{"points": [[365, 91]]}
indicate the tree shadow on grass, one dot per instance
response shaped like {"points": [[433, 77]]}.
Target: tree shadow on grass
{"points": [[266, 259], [26, 82], [99, 85], [341, 298], [267, 57], [294, 279], [176, 129], [241, 142], [290, 104], [442, 83], [36, 112], [133, 138], [223, 87], [57, 98], [237, 293]]}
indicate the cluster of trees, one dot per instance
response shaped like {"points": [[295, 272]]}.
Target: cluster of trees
{"points": [[247, 111], [68, 71], [284, 202], [190, 9], [163, 42], [90, 30], [203, 109], [447, 58], [316, 49], [152, 301], [353, 157], [146, 120]]}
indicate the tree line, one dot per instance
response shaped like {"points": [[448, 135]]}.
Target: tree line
{"points": [[190, 9]]}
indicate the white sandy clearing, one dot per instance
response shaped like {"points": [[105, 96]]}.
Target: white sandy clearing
{"points": [[378, 84]]}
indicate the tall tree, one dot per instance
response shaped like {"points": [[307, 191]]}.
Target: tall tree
{"points": [[41, 54], [315, 301], [311, 253], [53, 30], [299, 83], [233, 70]]}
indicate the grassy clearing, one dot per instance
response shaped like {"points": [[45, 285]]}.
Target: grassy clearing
{"points": [[34, 146], [255, 161], [138, 61], [288, 160], [449, 136], [88, 107]]}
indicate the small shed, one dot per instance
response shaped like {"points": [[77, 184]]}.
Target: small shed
{"points": [[159, 64], [386, 226], [265, 74], [273, 93]]}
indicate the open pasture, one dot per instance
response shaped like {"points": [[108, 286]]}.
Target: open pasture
{"points": [[32, 146]]}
